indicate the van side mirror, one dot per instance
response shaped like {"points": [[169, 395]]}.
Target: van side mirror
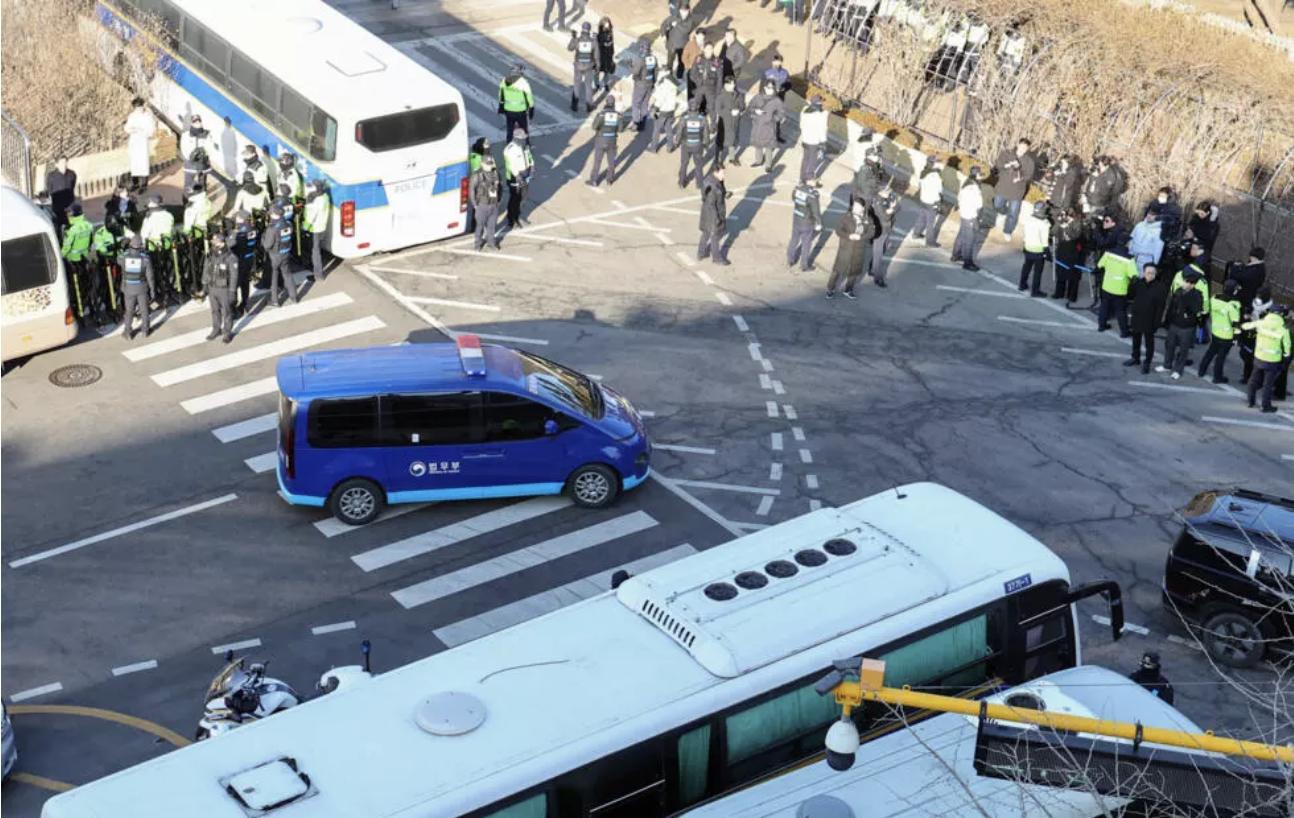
{"points": [[551, 428]]}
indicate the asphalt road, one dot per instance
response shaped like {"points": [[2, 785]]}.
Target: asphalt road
{"points": [[765, 400]]}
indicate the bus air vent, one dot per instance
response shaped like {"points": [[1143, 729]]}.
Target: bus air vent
{"points": [[824, 806], [450, 714], [268, 787]]}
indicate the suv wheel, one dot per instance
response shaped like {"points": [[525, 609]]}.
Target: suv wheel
{"points": [[1233, 639], [356, 501], [593, 486]]}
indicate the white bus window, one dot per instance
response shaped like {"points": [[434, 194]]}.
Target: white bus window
{"points": [[294, 116], [407, 129], [693, 764], [260, 90], [206, 51], [28, 262], [164, 12], [777, 721], [929, 660], [323, 136], [533, 807]]}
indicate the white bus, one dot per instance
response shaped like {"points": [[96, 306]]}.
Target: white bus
{"points": [[687, 682], [388, 137], [35, 313], [929, 769]]}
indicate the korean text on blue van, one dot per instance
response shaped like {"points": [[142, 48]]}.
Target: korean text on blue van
{"points": [[361, 428]]}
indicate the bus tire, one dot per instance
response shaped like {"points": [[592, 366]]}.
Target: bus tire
{"points": [[593, 486], [1233, 638], [356, 501]]}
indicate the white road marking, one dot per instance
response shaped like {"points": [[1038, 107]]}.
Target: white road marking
{"points": [[225, 397], [549, 159], [246, 644], [320, 630], [723, 299], [1168, 387], [752, 526], [262, 318], [1256, 424], [135, 668], [705, 278], [31, 693], [511, 563], [445, 302], [1287, 457], [262, 463], [332, 527], [246, 428], [775, 472], [1095, 353], [811, 481], [814, 505], [429, 541], [806, 456], [482, 253], [765, 505], [619, 204], [974, 291], [537, 51], [514, 613], [1184, 642], [789, 411], [672, 209], [609, 223], [645, 413], [701, 484], [522, 234], [403, 300], [684, 449], [419, 273], [776, 441], [765, 382], [125, 529], [511, 339], [767, 365], [921, 262], [687, 497], [771, 406], [273, 349], [755, 354], [1040, 323], [778, 389], [798, 433], [741, 323]]}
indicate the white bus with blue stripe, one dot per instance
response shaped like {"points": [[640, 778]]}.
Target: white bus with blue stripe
{"points": [[388, 137]]}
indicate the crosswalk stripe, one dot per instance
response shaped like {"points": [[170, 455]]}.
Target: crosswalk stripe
{"points": [[429, 541], [271, 350], [234, 394], [262, 463], [502, 566], [514, 613], [246, 428], [331, 526], [262, 318]]}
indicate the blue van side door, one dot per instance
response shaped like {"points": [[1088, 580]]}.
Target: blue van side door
{"points": [[431, 441], [515, 427]]}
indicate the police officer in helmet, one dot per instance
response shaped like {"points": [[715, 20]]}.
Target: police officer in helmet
{"points": [[1151, 677], [220, 282], [138, 287]]}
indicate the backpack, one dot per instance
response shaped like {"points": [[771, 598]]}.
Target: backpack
{"points": [[199, 158], [987, 218]]}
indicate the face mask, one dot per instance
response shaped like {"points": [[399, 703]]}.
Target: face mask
{"points": [[1163, 200]]}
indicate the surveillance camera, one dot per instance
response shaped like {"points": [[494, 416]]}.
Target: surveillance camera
{"points": [[842, 744]]}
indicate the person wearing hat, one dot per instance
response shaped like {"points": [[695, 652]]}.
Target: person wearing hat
{"points": [[518, 170], [516, 101], [606, 126], [157, 232], [695, 136], [1151, 677], [1037, 244], [970, 201], [484, 194], [138, 287], [314, 222], [813, 139], [196, 147], [76, 252], [103, 255], [220, 282], [193, 232], [868, 179], [806, 223], [252, 197], [1224, 318], [930, 191], [244, 243], [277, 243], [252, 164], [1271, 355], [664, 103], [1181, 320], [766, 111], [884, 208], [584, 47], [290, 175], [644, 69]]}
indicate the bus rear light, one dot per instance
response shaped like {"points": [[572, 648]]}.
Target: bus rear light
{"points": [[363, 246], [69, 318], [452, 226], [462, 195], [348, 219]]}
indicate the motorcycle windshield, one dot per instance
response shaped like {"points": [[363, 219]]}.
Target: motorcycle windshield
{"points": [[224, 680]]}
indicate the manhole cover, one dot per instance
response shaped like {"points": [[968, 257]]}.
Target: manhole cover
{"points": [[70, 377]]}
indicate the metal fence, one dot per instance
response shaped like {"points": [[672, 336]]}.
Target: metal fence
{"points": [[15, 147]]}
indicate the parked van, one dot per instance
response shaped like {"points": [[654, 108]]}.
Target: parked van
{"points": [[35, 313], [361, 428]]}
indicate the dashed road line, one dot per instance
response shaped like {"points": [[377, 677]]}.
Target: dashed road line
{"points": [[320, 630], [1041, 323], [771, 406], [814, 505], [511, 339], [403, 300], [135, 668], [974, 291], [755, 354], [811, 481], [789, 411], [723, 299], [619, 204], [523, 234], [765, 505], [685, 258], [628, 226], [416, 273], [767, 365], [806, 456], [741, 323], [445, 302], [246, 428], [775, 472], [33, 692], [1256, 424], [776, 440], [1095, 353], [332, 527], [702, 484], [765, 382], [1168, 387], [262, 463], [225, 397], [778, 388], [705, 278], [684, 449], [246, 644], [646, 413], [798, 433], [1287, 457]]}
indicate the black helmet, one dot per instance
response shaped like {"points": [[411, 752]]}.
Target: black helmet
{"points": [[76, 209], [287, 160], [1150, 660], [318, 185], [136, 242], [586, 26], [218, 239], [1040, 209]]}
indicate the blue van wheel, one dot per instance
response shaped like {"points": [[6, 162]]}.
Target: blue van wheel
{"points": [[593, 486], [356, 501]]}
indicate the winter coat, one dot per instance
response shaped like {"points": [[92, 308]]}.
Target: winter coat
{"points": [[813, 126], [1169, 214], [1149, 299], [484, 182], [1249, 278], [1146, 245], [766, 111], [969, 201], [140, 126], [867, 182], [1205, 229], [606, 38], [1104, 189], [1064, 188], [851, 252], [730, 105], [190, 141], [706, 74], [678, 31], [735, 57], [714, 206], [1184, 308], [1012, 182], [664, 98], [1070, 243], [931, 188], [691, 53]]}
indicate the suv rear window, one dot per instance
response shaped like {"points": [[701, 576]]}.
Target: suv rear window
{"points": [[28, 262], [405, 130]]}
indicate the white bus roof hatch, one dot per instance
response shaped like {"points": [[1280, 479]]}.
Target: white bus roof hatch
{"points": [[822, 579], [356, 63]]}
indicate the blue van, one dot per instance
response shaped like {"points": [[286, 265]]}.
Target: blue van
{"points": [[360, 428]]}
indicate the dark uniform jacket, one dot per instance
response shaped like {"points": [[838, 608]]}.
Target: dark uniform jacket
{"points": [[146, 267], [714, 205], [735, 57], [485, 187], [706, 73], [1149, 298], [852, 252], [729, 105], [1012, 182], [1069, 242], [1065, 188], [1103, 189], [867, 182], [766, 111], [1249, 278], [1184, 308], [61, 188], [220, 266]]}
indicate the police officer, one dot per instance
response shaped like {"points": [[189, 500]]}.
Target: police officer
{"points": [[314, 223], [561, 14], [277, 243], [103, 255], [694, 133], [197, 213], [245, 240], [1224, 317], [664, 102], [606, 128], [714, 219], [220, 282], [138, 287], [805, 225], [252, 164], [157, 230], [290, 175], [76, 251], [1118, 270], [485, 192], [884, 208], [970, 201], [1037, 243], [705, 73], [252, 197], [1271, 354], [516, 101], [730, 106], [519, 169], [1152, 678], [643, 68], [585, 48]]}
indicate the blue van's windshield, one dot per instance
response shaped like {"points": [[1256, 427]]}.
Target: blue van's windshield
{"points": [[566, 386]]}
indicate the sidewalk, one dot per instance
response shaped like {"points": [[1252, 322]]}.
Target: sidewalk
{"points": [[169, 184]]}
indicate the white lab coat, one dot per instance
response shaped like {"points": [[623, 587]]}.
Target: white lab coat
{"points": [[140, 126], [813, 126]]}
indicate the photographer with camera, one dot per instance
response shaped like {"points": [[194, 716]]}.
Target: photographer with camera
{"points": [[1063, 179], [1103, 188], [1069, 255], [1203, 227], [1014, 171]]}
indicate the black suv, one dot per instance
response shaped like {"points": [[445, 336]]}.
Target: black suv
{"points": [[1231, 572]]}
